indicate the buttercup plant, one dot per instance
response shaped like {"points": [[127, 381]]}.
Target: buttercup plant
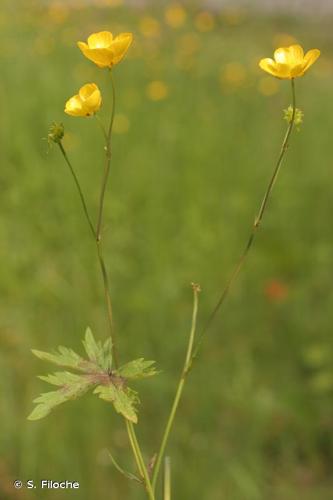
{"points": [[100, 369]]}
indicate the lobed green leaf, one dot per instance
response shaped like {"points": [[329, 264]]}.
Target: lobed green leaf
{"points": [[138, 368], [65, 358], [124, 399], [96, 352], [72, 387]]}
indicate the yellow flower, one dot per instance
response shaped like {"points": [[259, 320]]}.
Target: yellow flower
{"points": [[104, 50], [289, 62], [175, 15], [86, 102], [157, 90]]}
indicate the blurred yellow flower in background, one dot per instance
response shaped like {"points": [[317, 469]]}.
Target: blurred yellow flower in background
{"points": [[234, 74], [289, 62], [86, 102], [157, 90], [149, 27], [58, 13], [189, 43], [175, 15], [105, 50], [204, 21]]}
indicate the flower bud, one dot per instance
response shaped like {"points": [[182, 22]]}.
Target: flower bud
{"points": [[56, 133], [288, 114]]}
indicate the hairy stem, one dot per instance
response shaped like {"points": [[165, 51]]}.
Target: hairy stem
{"points": [[180, 387], [257, 221]]}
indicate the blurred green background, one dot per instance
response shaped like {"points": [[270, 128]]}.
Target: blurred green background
{"points": [[198, 128]]}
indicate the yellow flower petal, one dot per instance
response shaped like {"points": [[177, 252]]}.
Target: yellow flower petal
{"points": [[91, 98], [86, 91], [86, 102], [268, 65], [296, 70], [283, 70], [120, 46], [296, 53], [101, 40], [73, 106], [102, 57], [310, 57], [290, 62], [104, 50], [282, 55]]}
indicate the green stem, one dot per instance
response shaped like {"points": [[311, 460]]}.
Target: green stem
{"points": [[167, 479], [76, 180], [98, 239], [98, 232], [130, 429], [99, 253], [122, 471], [139, 460], [180, 387], [134, 449], [256, 224], [107, 164]]}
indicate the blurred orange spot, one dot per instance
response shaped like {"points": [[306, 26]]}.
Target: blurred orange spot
{"points": [[276, 291], [175, 15]]}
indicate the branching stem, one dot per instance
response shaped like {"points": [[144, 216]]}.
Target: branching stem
{"points": [[256, 225], [97, 234]]}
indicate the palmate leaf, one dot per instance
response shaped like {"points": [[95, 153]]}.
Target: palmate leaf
{"points": [[97, 352], [71, 385], [138, 368], [111, 385], [123, 398], [66, 358]]}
